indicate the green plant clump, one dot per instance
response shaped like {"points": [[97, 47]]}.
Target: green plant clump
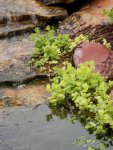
{"points": [[50, 48], [109, 13], [87, 90]]}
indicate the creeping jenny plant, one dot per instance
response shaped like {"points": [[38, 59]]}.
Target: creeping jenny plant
{"points": [[50, 47], [87, 90]]}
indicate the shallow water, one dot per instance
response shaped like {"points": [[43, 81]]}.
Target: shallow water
{"points": [[25, 128]]}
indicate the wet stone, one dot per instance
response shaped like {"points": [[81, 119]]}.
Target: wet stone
{"points": [[91, 51], [15, 54], [16, 70], [29, 94]]}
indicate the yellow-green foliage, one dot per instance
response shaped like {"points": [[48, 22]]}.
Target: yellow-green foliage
{"points": [[88, 91]]}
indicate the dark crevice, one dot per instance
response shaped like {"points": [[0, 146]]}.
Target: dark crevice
{"points": [[73, 7]]}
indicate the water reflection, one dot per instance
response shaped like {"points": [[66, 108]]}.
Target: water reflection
{"points": [[45, 128], [66, 113]]}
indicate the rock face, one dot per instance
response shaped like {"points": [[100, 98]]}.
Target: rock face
{"points": [[51, 2], [17, 19], [91, 21], [16, 71], [23, 10], [17, 16], [14, 60], [91, 51]]}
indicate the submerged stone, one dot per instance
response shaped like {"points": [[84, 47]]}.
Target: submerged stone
{"points": [[91, 51]]}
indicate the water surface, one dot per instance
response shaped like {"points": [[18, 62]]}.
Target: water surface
{"points": [[27, 128]]}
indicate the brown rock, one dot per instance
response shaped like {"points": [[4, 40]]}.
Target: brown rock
{"points": [[90, 21], [32, 94], [91, 51]]}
